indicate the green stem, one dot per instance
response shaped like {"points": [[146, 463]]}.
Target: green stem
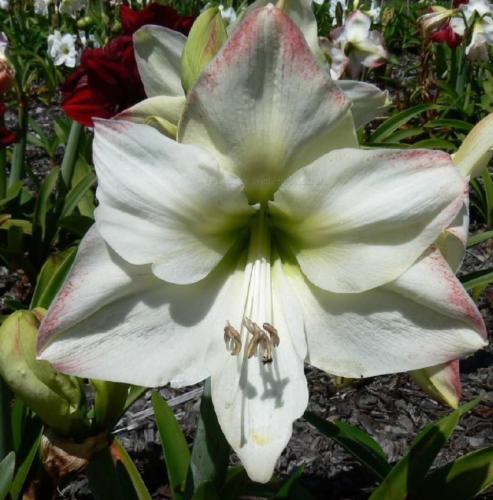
{"points": [[20, 147], [71, 153], [5, 426], [3, 173], [109, 403], [103, 480]]}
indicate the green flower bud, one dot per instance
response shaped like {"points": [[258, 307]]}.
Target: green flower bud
{"points": [[56, 398], [85, 22]]}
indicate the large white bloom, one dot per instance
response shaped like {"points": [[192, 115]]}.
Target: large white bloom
{"points": [[262, 239], [62, 50]]}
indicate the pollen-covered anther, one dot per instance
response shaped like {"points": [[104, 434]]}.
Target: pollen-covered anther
{"points": [[232, 339], [262, 340]]}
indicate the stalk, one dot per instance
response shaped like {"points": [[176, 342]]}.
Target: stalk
{"points": [[19, 153], [103, 480], [71, 153]]}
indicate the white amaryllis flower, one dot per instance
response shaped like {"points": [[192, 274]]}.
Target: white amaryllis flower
{"points": [[362, 46], [61, 48], [255, 244], [4, 4], [478, 16]]}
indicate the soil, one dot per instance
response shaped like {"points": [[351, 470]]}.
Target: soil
{"points": [[391, 408]]}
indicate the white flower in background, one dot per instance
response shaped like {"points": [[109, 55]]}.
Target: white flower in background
{"points": [[71, 7], [319, 2], [374, 11], [333, 9], [362, 46], [481, 9], [336, 58], [4, 4], [41, 7], [262, 245], [62, 50], [228, 14]]}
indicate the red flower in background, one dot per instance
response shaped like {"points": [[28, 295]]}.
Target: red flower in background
{"points": [[447, 35], [7, 137], [154, 13], [108, 80]]}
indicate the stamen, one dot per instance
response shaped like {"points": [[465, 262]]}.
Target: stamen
{"points": [[274, 336], [232, 339], [260, 338]]}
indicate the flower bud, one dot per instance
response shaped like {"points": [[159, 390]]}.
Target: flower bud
{"points": [[85, 22], [56, 398], [435, 19], [441, 382], [7, 74]]}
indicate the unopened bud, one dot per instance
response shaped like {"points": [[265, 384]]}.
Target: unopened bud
{"points": [[54, 397], [441, 382]]}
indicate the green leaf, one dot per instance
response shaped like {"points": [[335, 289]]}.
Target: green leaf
{"points": [[7, 468], [449, 123], [410, 471], [76, 224], [86, 205], [137, 481], [398, 120], [356, 442], [23, 470], [206, 491], [77, 193], [51, 277], [477, 279], [175, 448], [461, 479], [42, 203], [235, 484], [210, 453], [135, 392], [478, 238], [206, 37], [440, 144], [291, 489]]}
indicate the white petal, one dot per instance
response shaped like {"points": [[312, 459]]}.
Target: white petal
{"points": [[168, 108], [476, 151], [357, 27], [263, 107], [256, 403], [356, 219], [164, 203], [452, 243], [158, 55], [369, 102], [115, 321], [423, 319]]}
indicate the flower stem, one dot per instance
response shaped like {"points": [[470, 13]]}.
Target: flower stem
{"points": [[103, 480], [19, 153], [71, 153]]}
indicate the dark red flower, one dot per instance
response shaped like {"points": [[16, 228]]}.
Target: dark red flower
{"points": [[108, 80], [458, 3], [154, 13], [7, 137], [447, 35]]}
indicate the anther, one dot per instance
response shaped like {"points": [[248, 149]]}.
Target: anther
{"points": [[232, 339], [260, 338], [274, 336]]}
